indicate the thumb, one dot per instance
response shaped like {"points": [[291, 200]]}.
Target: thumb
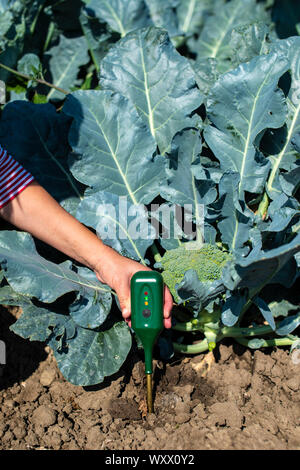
{"points": [[124, 302]]}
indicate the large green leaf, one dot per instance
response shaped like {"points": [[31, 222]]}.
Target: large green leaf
{"points": [[64, 62], [114, 147], [192, 14], [94, 355], [250, 40], [42, 324], [235, 220], [118, 223], [9, 297], [184, 165], [97, 37], [6, 20], [121, 16], [286, 142], [255, 273], [163, 15], [241, 105], [85, 357], [30, 274], [214, 40], [90, 308], [206, 73], [37, 136], [145, 67]]}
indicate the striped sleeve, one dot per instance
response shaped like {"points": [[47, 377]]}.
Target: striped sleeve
{"points": [[13, 178]]}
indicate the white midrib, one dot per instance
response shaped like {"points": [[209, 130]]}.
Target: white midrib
{"points": [[247, 147], [62, 76], [64, 277], [129, 238], [113, 154], [133, 198], [122, 30], [198, 229], [150, 111], [249, 130], [281, 154], [215, 50], [189, 15]]}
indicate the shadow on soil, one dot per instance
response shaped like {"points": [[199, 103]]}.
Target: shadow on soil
{"points": [[22, 356]]}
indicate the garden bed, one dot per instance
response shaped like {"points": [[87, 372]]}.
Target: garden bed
{"points": [[234, 399]]}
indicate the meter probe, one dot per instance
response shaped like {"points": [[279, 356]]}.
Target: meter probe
{"points": [[147, 317]]}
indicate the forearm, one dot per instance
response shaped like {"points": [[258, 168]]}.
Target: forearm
{"points": [[35, 211]]}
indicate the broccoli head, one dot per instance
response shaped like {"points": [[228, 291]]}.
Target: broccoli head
{"points": [[208, 262]]}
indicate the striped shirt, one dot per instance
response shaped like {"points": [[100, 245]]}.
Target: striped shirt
{"points": [[13, 178]]}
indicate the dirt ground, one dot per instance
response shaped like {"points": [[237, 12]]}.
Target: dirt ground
{"points": [[234, 399]]}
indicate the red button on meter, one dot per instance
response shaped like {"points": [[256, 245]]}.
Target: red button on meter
{"points": [[146, 293]]}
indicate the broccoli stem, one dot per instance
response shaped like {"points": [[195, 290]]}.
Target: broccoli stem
{"points": [[203, 346], [233, 332], [263, 206], [155, 253], [268, 342], [191, 348], [188, 326]]}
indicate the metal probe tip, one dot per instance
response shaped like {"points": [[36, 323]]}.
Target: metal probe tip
{"points": [[149, 393]]}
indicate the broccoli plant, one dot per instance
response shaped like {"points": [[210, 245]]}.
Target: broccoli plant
{"points": [[187, 104], [208, 262]]}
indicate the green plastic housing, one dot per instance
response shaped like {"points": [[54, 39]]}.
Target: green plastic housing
{"points": [[147, 302]]}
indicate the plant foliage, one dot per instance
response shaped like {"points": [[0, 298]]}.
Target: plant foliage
{"points": [[134, 102]]}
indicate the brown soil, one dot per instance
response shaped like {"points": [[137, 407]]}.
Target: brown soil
{"points": [[234, 399]]}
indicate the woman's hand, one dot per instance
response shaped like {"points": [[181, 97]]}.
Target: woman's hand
{"points": [[116, 271]]}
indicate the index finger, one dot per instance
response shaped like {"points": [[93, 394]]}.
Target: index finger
{"points": [[168, 304]]}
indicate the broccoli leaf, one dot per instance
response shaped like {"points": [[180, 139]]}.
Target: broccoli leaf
{"points": [[256, 273], [214, 40], [288, 325], [93, 355], [64, 62], [119, 224], [192, 14], [85, 357], [242, 104], [164, 16], [37, 136], [265, 311], [232, 308], [235, 220], [90, 309], [121, 16], [160, 83], [287, 141], [113, 146], [30, 274], [184, 165], [9, 297]]}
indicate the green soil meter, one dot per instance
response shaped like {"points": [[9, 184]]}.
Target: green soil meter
{"points": [[147, 302]]}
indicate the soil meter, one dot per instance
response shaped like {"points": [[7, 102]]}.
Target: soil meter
{"points": [[147, 317]]}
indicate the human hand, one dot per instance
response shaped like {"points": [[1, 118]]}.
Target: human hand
{"points": [[116, 271]]}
